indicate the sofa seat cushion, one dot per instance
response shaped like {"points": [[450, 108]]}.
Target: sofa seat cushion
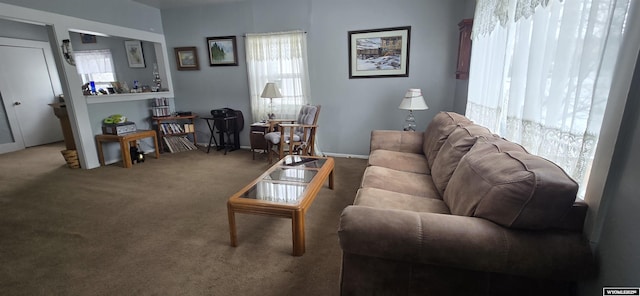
{"points": [[384, 199], [453, 149], [401, 161], [511, 188], [399, 181], [438, 130]]}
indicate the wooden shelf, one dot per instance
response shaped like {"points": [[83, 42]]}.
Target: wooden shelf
{"points": [[179, 120]]}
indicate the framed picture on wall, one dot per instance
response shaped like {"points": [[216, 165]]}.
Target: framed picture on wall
{"points": [[88, 38], [134, 53], [187, 58], [379, 53], [222, 51]]}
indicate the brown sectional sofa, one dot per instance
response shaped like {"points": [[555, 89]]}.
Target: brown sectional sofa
{"points": [[457, 210]]}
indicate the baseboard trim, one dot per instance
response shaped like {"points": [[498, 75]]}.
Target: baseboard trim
{"points": [[346, 155], [343, 155]]}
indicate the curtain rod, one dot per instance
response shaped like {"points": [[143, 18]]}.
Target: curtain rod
{"points": [[274, 33]]}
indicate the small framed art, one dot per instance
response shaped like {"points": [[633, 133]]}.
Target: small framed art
{"points": [[222, 51], [187, 58], [134, 53]]}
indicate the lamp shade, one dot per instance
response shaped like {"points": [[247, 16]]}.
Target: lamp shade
{"points": [[413, 100], [271, 90]]}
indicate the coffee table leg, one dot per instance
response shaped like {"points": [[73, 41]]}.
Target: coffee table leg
{"points": [[232, 226], [297, 225], [331, 180]]}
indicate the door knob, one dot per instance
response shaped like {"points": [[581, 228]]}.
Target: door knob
{"points": [[17, 103]]}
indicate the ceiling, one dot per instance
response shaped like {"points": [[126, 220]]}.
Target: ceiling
{"points": [[164, 4]]}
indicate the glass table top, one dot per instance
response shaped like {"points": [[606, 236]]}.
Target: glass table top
{"points": [[301, 161], [276, 192], [286, 181], [292, 174]]}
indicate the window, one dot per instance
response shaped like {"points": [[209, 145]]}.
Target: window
{"points": [[96, 66], [280, 58], [541, 74]]}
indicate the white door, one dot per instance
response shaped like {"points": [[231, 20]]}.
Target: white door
{"points": [[26, 89]]}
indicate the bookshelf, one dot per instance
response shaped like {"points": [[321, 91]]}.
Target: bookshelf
{"points": [[174, 131]]}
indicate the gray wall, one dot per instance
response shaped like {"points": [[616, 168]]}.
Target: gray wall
{"points": [[18, 30], [136, 111], [116, 45], [618, 249], [351, 108], [125, 13]]}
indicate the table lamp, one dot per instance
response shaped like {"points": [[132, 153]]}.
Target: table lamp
{"points": [[412, 100], [271, 91]]}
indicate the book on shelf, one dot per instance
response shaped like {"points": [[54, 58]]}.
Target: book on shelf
{"points": [[179, 143], [168, 144], [171, 128], [160, 107], [160, 111]]}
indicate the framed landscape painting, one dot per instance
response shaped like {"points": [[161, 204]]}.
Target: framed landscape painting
{"points": [[187, 58], [379, 53], [222, 51]]}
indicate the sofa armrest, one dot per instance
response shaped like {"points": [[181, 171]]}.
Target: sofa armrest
{"points": [[464, 242], [401, 141]]}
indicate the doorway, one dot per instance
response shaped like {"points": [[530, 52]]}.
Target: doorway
{"points": [[29, 82]]}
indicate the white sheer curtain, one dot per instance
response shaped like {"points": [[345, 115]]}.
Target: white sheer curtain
{"points": [[541, 74], [95, 65], [281, 58]]}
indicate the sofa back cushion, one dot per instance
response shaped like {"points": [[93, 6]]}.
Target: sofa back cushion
{"points": [[511, 188], [438, 130], [453, 149]]}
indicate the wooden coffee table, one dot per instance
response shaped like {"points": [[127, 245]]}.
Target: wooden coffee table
{"points": [[286, 190]]}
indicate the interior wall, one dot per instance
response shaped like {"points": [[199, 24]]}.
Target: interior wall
{"points": [[19, 30], [115, 44], [617, 249], [124, 13], [351, 108]]}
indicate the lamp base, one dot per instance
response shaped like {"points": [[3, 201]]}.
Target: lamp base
{"points": [[271, 114], [410, 123]]}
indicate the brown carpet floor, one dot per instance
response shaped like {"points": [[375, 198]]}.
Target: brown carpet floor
{"points": [[159, 228]]}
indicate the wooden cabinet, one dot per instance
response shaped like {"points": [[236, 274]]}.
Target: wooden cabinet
{"points": [[172, 126], [464, 49], [258, 142]]}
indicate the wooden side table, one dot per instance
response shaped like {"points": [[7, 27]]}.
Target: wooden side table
{"points": [[125, 142], [258, 142]]}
